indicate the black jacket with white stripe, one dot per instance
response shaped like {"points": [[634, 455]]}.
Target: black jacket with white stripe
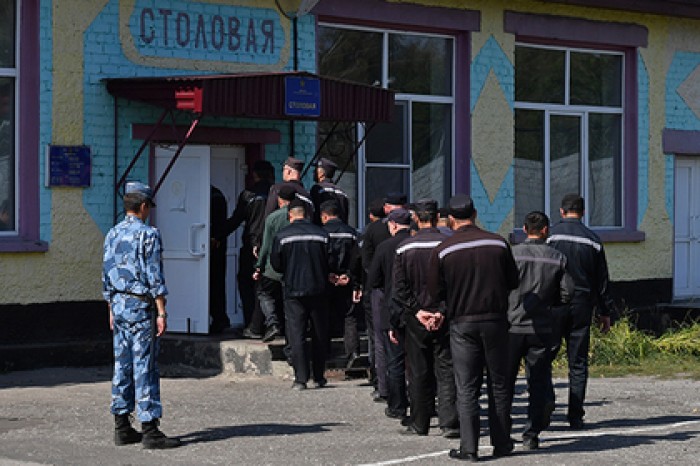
{"points": [[473, 271], [327, 191], [586, 261], [342, 246], [300, 252], [410, 290]]}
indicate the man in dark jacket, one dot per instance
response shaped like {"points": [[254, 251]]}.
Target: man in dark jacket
{"points": [[326, 190], [343, 248], [587, 265], [300, 253], [375, 233], [543, 283], [427, 348], [291, 176], [249, 211], [391, 339], [473, 271]]}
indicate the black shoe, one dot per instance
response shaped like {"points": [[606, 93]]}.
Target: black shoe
{"points": [[577, 424], [531, 443], [352, 359], [248, 333], [412, 430], [271, 333], [153, 438], [124, 434], [406, 421], [298, 386], [377, 397], [463, 455], [394, 414], [548, 410], [499, 452], [321, 383], [449, 432]]}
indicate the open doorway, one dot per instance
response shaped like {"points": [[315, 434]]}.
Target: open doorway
{"points": [[182, 216]]}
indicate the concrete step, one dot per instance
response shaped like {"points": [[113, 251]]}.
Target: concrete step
{"points": [[180, 355], [227, 354]]}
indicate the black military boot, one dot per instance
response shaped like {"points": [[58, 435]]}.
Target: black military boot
{"points": [[124, 434], [153, 438]]}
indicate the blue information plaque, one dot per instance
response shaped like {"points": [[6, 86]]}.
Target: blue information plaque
{"points": [[302, 96], [68, 166]]}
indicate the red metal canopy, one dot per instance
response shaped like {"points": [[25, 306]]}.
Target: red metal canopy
{"points": [[255, 96], [247, 96]]}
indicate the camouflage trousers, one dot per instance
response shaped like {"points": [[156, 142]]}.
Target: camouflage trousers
{"points": [[136, 380]]}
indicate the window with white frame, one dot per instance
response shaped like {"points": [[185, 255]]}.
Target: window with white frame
{"points": [[569, 109], [413, 153], [8, 93]]}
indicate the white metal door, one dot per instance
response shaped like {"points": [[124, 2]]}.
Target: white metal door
{"points": [[182, 216], [228, 174], [686, 274]]}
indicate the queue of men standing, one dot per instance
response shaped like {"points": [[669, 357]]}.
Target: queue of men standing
{"points": [[445, 305]]}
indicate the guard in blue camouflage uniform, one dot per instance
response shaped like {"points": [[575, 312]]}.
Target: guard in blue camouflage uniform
{"points": [[134, 287]]}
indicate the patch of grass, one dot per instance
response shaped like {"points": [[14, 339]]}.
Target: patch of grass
{"points": [[627, 351]]}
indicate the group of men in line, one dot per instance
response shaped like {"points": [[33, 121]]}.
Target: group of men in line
{"points": [[442, 303], [451, 305]]}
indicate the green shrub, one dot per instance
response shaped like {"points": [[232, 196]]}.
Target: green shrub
{"points": [[624, 345]]}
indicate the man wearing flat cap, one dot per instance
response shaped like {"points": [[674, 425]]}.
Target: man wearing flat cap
{"points": [[473, 272], [250, 212], [326, 190], [269, 281], [391, 347], [300, 252], [375, 233], [291, 176], [589, 269], [427, 339], [134, 287]]}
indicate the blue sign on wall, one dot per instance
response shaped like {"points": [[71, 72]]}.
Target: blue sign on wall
{"points": [[302, 96], [68, 166]]}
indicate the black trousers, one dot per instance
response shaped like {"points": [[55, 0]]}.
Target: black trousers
{"points": [[270, 299], [397, 398], [217, 289], [298, 311], [573, 323], [344, 319], [369, 326], [246, 284], [380, 342], [476, 345], [430, 361], [535, 349]]}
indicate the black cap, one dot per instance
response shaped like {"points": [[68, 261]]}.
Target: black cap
{"points": [[395, 199], [460, 206], [376, 208], [572, 202], [296, 203], [286, 192], [329, 167], [294, 163], [426, 205], [400, 216]]}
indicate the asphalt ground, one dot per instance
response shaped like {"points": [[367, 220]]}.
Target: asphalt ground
{"points": [[61, 417]]}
